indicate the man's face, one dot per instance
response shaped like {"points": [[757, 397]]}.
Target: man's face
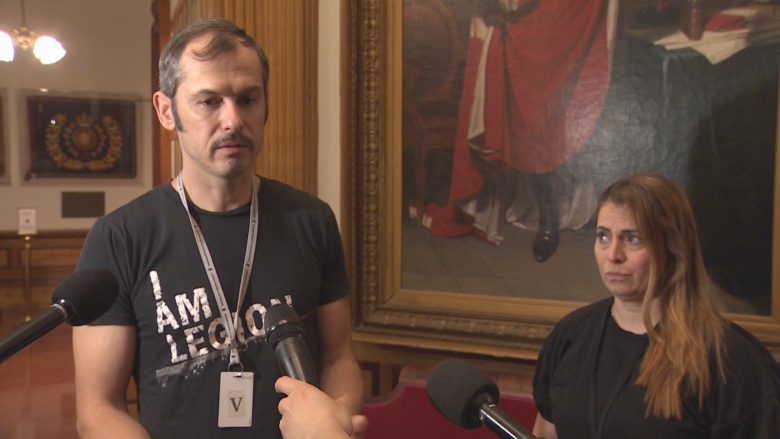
{"points": [[220, 108]]}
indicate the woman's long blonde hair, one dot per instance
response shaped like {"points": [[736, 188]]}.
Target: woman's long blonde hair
{"points": [[677, 362]]}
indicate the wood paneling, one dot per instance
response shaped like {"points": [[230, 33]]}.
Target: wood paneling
{"points": [[162, 155], [52, 256]]}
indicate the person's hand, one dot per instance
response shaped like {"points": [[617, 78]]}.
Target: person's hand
{"points": [[308, 413], [359, 426]]}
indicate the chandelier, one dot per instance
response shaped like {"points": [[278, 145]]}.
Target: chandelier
{"points": [[45, 48]]}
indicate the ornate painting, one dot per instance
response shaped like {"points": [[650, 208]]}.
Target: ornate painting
{"points": [[73, 137]]}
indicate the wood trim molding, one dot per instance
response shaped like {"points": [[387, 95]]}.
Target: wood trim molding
{"points": [[52, 257], [161, 139]]}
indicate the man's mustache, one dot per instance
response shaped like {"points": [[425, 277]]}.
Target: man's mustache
{"points": [[232, 137]]}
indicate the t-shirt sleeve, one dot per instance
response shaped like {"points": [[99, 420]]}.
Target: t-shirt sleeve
{"points": [[567, 343], [546, 364], [335, 280], [748, 403], [104, 248]]}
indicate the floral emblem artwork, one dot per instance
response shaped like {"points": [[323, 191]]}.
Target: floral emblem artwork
{"points": [[81, 137], [84, 143]]}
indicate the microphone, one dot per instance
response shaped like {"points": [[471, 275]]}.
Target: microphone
{"points": [[79, 299], [467, 397], [286, 335]]}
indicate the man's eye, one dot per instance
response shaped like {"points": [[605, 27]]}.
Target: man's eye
{"points": [[209, 102]]}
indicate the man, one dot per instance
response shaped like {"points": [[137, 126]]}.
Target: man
{"points": [[190, 253]]}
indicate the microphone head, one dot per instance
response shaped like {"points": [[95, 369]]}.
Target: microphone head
{"points": [[457, 390], [280, 322], [87, 294]]}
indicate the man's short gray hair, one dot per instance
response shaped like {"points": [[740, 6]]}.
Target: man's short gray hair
{"points": [[225, 37]]}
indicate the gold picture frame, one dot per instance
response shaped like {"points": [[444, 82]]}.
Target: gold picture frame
{"points": [[384, 312]]}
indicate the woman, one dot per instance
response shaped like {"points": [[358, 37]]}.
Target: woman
{"points": [[657, 360]]}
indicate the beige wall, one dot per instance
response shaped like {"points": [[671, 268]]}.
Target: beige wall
{"points": [[108, 45], [329, 157]]}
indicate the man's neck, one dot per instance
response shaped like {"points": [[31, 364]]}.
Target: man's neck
{"points": [[217, 195]]}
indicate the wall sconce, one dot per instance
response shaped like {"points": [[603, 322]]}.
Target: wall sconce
{"points": [[45, 48]]}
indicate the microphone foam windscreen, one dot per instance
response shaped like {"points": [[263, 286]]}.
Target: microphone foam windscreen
{"points": [[279, 322], [88, 293], [453, 386]]}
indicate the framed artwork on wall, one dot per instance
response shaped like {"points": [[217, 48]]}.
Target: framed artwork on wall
{"points": [[72, 136], [445, 251]]}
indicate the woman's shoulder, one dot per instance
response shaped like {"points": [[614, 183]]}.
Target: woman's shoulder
{"points": [[745, 352], [581, 322], [592, 311], [746, 402]]}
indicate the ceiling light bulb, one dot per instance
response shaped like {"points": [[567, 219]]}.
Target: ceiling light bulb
{"points": [[48, 50], [6, 47]]}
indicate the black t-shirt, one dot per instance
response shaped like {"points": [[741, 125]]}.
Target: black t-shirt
{"points": [[586, 374], [165, 293]]}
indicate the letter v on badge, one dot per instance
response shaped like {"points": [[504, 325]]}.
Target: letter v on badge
{"points": [[235, 399]]}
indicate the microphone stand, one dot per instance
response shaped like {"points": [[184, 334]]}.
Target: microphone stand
{"points": [[502, 424], [27, 283]]}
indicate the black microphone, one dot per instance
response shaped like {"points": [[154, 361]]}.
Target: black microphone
{"points": [[79, 299], [286, 335], [467, 397]]}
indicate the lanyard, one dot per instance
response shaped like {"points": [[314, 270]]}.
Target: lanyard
{"points": [[208, 264]]}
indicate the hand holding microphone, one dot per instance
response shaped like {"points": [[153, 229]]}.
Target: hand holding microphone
{"points": [[309, 412], [467, 397], [286, 335], [79, 299], [306, 411]]}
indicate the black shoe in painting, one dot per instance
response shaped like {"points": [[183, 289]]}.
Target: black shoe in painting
{"points": [[545, 244]]}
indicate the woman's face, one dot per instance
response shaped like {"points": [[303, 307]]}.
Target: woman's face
{"points": [[621, 253]]}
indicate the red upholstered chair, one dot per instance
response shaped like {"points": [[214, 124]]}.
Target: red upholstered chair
{"points": [[407, 413]]}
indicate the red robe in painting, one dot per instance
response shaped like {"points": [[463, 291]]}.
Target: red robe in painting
{"points": [[546, 78]]}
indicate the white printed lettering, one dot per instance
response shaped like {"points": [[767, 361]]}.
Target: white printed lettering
{"points": [[156, 285], [165, 317], [193, 341], [252, 322], [175, 358], [186, 307], [217, 335]]}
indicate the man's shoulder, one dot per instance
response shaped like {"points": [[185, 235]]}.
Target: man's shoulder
{"points": [[143, 209], [285, 196]]}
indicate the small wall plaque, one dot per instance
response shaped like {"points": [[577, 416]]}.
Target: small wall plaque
{"points": [[83, 204]]}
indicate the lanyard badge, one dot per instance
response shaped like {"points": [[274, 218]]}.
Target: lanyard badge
{"points": [[236, 386]]}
